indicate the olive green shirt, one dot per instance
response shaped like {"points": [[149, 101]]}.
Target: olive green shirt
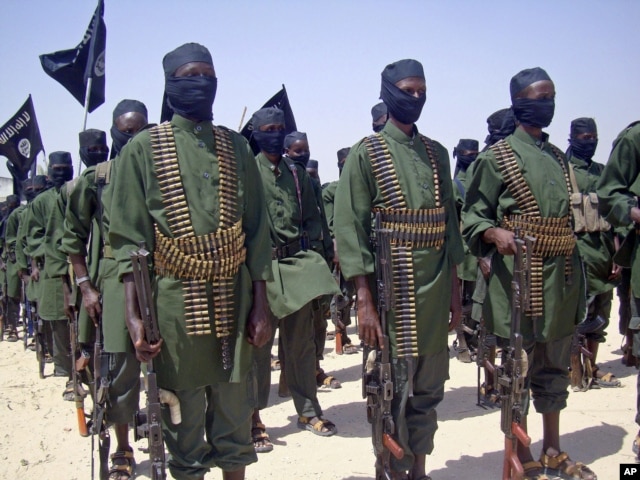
{"points": [[358, 194], [619, 187], [291, 210], [596, 248], [487, 202], [14, 282], [190, 361], [468, 269]]}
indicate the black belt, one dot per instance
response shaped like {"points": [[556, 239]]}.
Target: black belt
{"points": [[290, 249]]}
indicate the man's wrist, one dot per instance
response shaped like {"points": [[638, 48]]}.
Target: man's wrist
{"points": [[80, 280]]}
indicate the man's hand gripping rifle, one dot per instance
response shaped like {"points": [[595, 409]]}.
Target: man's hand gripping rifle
{"points": [[377, 382], [149, 424]]}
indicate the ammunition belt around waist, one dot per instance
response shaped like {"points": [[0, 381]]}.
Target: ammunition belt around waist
{"points": [[554, 235], [211, 257], [414, 229], [290, 249]]}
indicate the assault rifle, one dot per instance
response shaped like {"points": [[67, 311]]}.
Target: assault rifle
{"points": [[377, 383], [99, 426], [509, 377], [78, 391], [149, 424], [486, 343]]}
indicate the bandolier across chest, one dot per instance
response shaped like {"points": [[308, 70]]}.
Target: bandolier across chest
{"points": [[408, 230], [200, 259], [553, 235]]}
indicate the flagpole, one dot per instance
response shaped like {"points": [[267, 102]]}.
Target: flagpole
{"points": [[242, 118], [86, 112]]}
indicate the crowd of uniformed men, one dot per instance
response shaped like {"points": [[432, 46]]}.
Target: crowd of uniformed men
{"points": [[234, 238]]}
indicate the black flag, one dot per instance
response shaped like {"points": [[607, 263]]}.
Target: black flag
{"points": [[280, 100], [20, 140], [73, 68]]}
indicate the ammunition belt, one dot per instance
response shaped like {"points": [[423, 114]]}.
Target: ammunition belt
{"points": [[415, 229], [211, 258], [554, 236], [385, 173], [405, 301]]}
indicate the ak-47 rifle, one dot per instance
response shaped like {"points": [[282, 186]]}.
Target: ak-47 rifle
{"points": [[486, 343], [509, 377], [78, 391], [99, 426], [149, 424], [377, 383]]}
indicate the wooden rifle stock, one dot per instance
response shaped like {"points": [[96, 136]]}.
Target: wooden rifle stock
{"points": [[393, 447]]}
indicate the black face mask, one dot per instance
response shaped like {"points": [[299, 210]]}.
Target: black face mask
{"points": [[378, 128], [463, 161], [302, 159], [30, 194], [270, 142], [404, 107], [535, 113], [59, 176], [92, 158], [192, 97], [120, 139], [583, 148]]}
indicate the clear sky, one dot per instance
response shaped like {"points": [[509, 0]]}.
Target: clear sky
{"points": [[329, 54]]}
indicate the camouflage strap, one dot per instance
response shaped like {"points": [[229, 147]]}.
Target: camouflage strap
{"points": [[196, 260], [553, 236], [408, 230]]}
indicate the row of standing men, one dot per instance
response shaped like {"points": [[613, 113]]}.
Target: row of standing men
{"points": [[235, 238]]}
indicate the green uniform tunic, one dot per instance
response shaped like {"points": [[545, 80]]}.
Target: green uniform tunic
{"points": [[487, 201], [618, 187], [44, 228], [328, 197], [190, 361], [292, 288], [81, 228], [596, 248], [468, 269], [14, 282], [358, 194], [22, 262]]}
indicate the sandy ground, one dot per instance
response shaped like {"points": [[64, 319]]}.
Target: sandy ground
{"points": [[39, 437]]}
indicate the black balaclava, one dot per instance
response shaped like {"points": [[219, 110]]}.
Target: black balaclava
{"points": [[27, 190], [13, 201], [40, 184], [342, 157], [92, 138], [463, 161], [312, 169], [581, 147], [535, 113], [379, 110], [290, 140], [403, 107], [190, 97], [119, 138], [270, 142], [58, 176], [500, 124]]}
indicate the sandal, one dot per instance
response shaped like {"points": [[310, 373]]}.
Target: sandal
{"points": [[261, 441], [608, 380], [68, 394], [565, 466], [12, 337], [534, 470], [327, 381], [122, 465], [317, 425], [349, 349]]}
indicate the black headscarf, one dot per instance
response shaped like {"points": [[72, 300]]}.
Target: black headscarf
{"points": [[526, 77], [582, 147], [500, 124], [91, 138], [270, 142], [58, 176], [294, 137], [402, 106], [188, 96], [119, 138], [463, 161], [378, 110]]}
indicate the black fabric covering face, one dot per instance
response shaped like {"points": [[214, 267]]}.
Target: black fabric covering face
{"points": [[378, 110]]}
